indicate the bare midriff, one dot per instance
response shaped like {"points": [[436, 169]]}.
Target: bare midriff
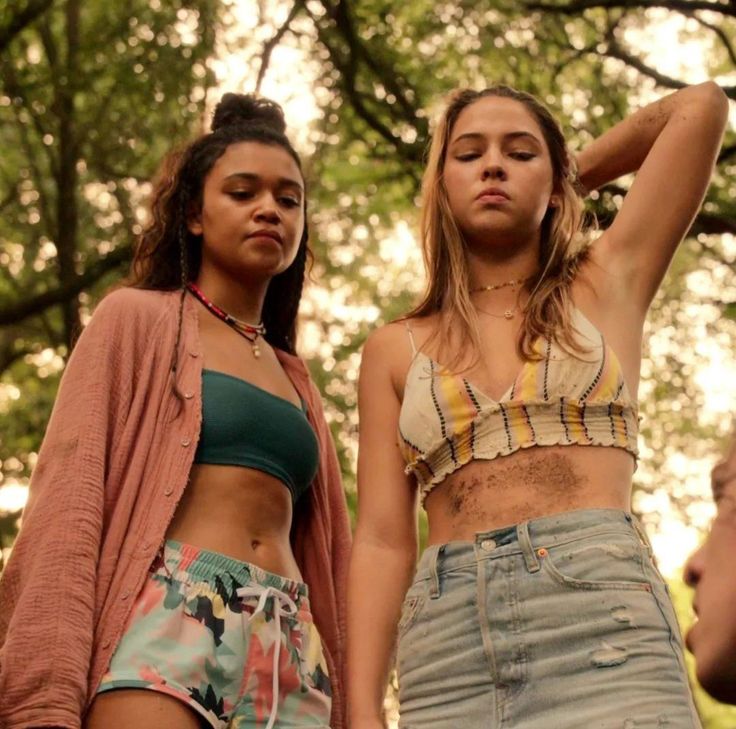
{"points": [[241, 512], [528, 484]]}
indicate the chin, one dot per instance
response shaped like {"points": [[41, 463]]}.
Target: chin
{"points": [[720, 688], [718, 678]]}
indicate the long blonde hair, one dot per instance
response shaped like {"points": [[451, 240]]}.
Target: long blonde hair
{"points": [[563, 246]]}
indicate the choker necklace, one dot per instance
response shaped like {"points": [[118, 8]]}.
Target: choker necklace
{"points": [[493, 287], [251, 332]]}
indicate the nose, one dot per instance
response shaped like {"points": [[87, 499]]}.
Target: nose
{"points": [[493, 168], [693, 569], [267, 211]]}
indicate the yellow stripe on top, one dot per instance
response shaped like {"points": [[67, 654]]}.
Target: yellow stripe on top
{"points": [[566, 397], [458, 409]]}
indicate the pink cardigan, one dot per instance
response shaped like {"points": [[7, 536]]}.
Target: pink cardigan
{"points": [[114, 463]]}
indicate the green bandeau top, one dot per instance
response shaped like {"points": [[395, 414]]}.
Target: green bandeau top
{"points": [[244, 425]]}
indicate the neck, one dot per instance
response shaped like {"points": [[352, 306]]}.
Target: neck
{"points": [[488, 268], [241, 299]]}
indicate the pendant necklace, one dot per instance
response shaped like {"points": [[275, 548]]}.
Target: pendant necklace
{"points": [[251, 332], [509, 313]]}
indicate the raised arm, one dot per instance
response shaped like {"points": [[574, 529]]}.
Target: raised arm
{"points": [[673, 143], [385, 544]]}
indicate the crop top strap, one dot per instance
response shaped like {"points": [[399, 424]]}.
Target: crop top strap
{"points": [[411, 338]]}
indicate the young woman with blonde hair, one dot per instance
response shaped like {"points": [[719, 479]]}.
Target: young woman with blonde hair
{"points": [[506, 403]]}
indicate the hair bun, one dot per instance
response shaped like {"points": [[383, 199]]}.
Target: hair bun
{"points": [[248, 109]]}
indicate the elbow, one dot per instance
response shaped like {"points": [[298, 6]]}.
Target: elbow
{"points": [[711, 98]]}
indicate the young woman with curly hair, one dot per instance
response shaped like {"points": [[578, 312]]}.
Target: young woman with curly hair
{"points": [[182, 557]]}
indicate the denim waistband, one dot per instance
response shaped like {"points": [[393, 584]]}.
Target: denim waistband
{"points": [[526, 538]]}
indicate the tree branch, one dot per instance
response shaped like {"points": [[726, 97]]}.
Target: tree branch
{"points": [[683, 6], [94, 272], [17, 22], [374, 61], [707, 223], [614, 50], [347, 66], [270, 44], [721, 35], [727, 153]]}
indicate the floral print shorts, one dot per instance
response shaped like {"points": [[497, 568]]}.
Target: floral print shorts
{"points": [[234, 642]]}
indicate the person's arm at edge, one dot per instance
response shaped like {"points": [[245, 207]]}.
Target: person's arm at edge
{"points": [[385, 545], [47, 621]]}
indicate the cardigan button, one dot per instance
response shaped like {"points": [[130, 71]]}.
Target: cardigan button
{"points": [[194, 354], [168, 491], [185, 442], [125, 595], [188, 395]]}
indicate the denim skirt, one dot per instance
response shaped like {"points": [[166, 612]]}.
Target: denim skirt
{"points": [[561, 622]]}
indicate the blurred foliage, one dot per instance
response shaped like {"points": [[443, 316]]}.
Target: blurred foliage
{"points": [[91, 97]]}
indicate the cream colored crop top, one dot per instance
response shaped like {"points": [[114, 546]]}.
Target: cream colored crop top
{"points": [[446, 421]]}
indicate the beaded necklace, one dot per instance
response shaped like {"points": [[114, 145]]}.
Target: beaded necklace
{"points": [[251, 332]]}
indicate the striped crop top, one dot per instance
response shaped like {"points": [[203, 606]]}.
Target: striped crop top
{"points": [[446, 421]]}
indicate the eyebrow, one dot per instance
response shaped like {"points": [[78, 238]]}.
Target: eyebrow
{"points": [[509, 135], [250, 177]]}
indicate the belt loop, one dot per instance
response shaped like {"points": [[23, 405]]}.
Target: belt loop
{"points": [[434, 583], [527, 549], [639, 529]]}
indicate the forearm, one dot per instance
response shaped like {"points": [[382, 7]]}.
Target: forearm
{"points": [[624, 147], [378, 580]]}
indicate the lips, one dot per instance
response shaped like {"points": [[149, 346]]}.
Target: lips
{"points": [[689, 638], [267, 233], [492, 193]]}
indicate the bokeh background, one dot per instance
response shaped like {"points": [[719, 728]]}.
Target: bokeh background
{"points": [[93, 94]]}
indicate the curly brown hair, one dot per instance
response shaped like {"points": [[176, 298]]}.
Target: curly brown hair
{"points": [[168, 255]]}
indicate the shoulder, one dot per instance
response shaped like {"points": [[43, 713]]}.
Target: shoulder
{"points": [[127, 321], [127, 301], [388, 342], [129, 306], [387, 355]]}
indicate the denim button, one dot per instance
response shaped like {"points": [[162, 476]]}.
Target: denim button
{"points": [[488, 545]]}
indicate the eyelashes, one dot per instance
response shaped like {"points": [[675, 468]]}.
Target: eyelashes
{"points": [[286, 201], [518, 156]]}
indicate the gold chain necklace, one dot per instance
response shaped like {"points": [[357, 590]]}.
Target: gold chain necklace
{"points": [[493, 287], [508, 313]]}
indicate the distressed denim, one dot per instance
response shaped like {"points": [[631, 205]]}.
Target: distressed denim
{"points": [[561, 622]]}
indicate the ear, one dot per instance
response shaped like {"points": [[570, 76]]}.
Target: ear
{"points": [[194, 220]]}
